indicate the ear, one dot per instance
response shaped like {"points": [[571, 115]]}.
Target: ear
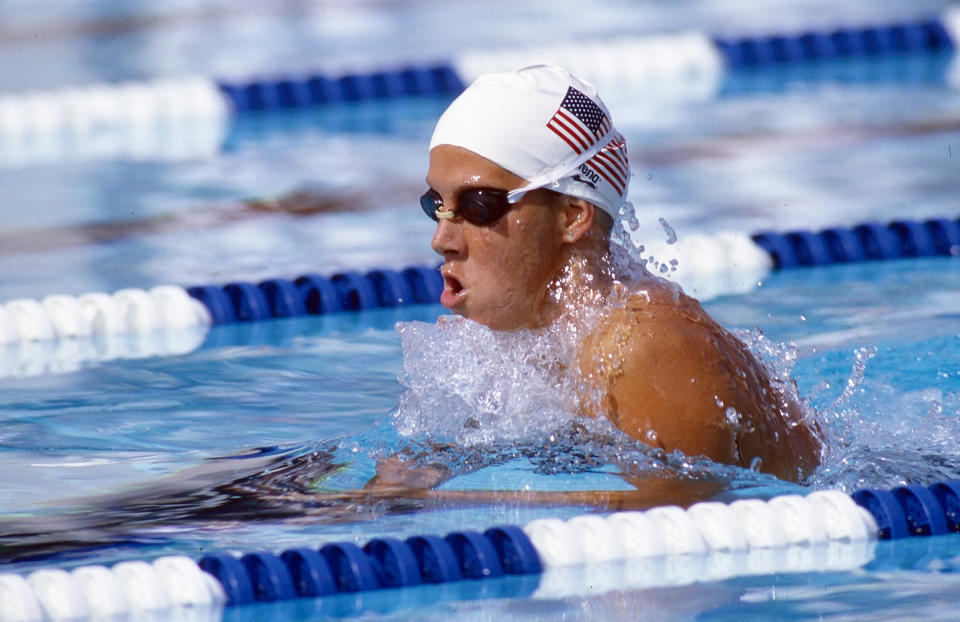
{"points": [[576, 218]]}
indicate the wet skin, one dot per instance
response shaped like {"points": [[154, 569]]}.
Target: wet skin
{"points": [[668, 374], [671, 376], [496, 275]]}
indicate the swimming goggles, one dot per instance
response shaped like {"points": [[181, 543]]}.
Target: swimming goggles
{"points": [[478, 206]]}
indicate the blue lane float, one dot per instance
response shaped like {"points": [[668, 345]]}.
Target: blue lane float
{"points": [[864, 242], [318, 89], [929, 36], [710, 541], [313, 294]]}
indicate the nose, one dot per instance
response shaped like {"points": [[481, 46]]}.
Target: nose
{"points": [[448, 238]]}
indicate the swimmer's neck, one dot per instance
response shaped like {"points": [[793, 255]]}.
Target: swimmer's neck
{"points": [[585, 277]]}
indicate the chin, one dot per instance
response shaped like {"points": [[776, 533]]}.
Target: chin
{"points": [[502, 317], [490, 322], [499, 322]]}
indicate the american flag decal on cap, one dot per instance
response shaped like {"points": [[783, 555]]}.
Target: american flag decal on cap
{"points": [[581, 123]]}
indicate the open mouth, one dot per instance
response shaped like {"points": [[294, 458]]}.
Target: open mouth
{"points": [[452, 284], [453, 291]]}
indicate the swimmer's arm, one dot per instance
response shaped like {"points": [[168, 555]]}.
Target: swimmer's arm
{"points": [[423, 467], [395, 474], [399, 479], [649, 493]]}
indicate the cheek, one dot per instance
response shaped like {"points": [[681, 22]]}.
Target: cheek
{"points": [[494, 255], [522, 257]]}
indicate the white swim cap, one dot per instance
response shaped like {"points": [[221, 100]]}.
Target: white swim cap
{"points": [[545, 125]]}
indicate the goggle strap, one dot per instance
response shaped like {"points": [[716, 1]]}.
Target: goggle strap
{"points": [[563, 169]]}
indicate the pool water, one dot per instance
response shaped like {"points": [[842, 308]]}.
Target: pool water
{"points": [[874, 347]]}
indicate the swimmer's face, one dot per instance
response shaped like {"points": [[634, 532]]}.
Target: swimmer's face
{"points": [[496, 274]]}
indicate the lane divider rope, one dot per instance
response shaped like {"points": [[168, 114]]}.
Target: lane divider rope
{"points": [[638, 61], [140, 312], [134, 311], [61, 333], [864, 242], [709, 541]]}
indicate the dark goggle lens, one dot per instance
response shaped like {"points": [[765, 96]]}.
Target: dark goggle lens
{"points": [[430, 202], [478, 206]]}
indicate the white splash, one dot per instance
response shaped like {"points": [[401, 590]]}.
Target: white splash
{"points": [[469, 384]]}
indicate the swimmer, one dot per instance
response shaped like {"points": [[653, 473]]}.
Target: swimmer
{"points": [[527, 175]]}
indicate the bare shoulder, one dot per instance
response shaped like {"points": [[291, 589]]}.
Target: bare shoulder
{"points": [[666, 373]]}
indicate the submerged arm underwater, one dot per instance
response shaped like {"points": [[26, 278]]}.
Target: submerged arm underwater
{"points": [[273, 485], [395, 478]]}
